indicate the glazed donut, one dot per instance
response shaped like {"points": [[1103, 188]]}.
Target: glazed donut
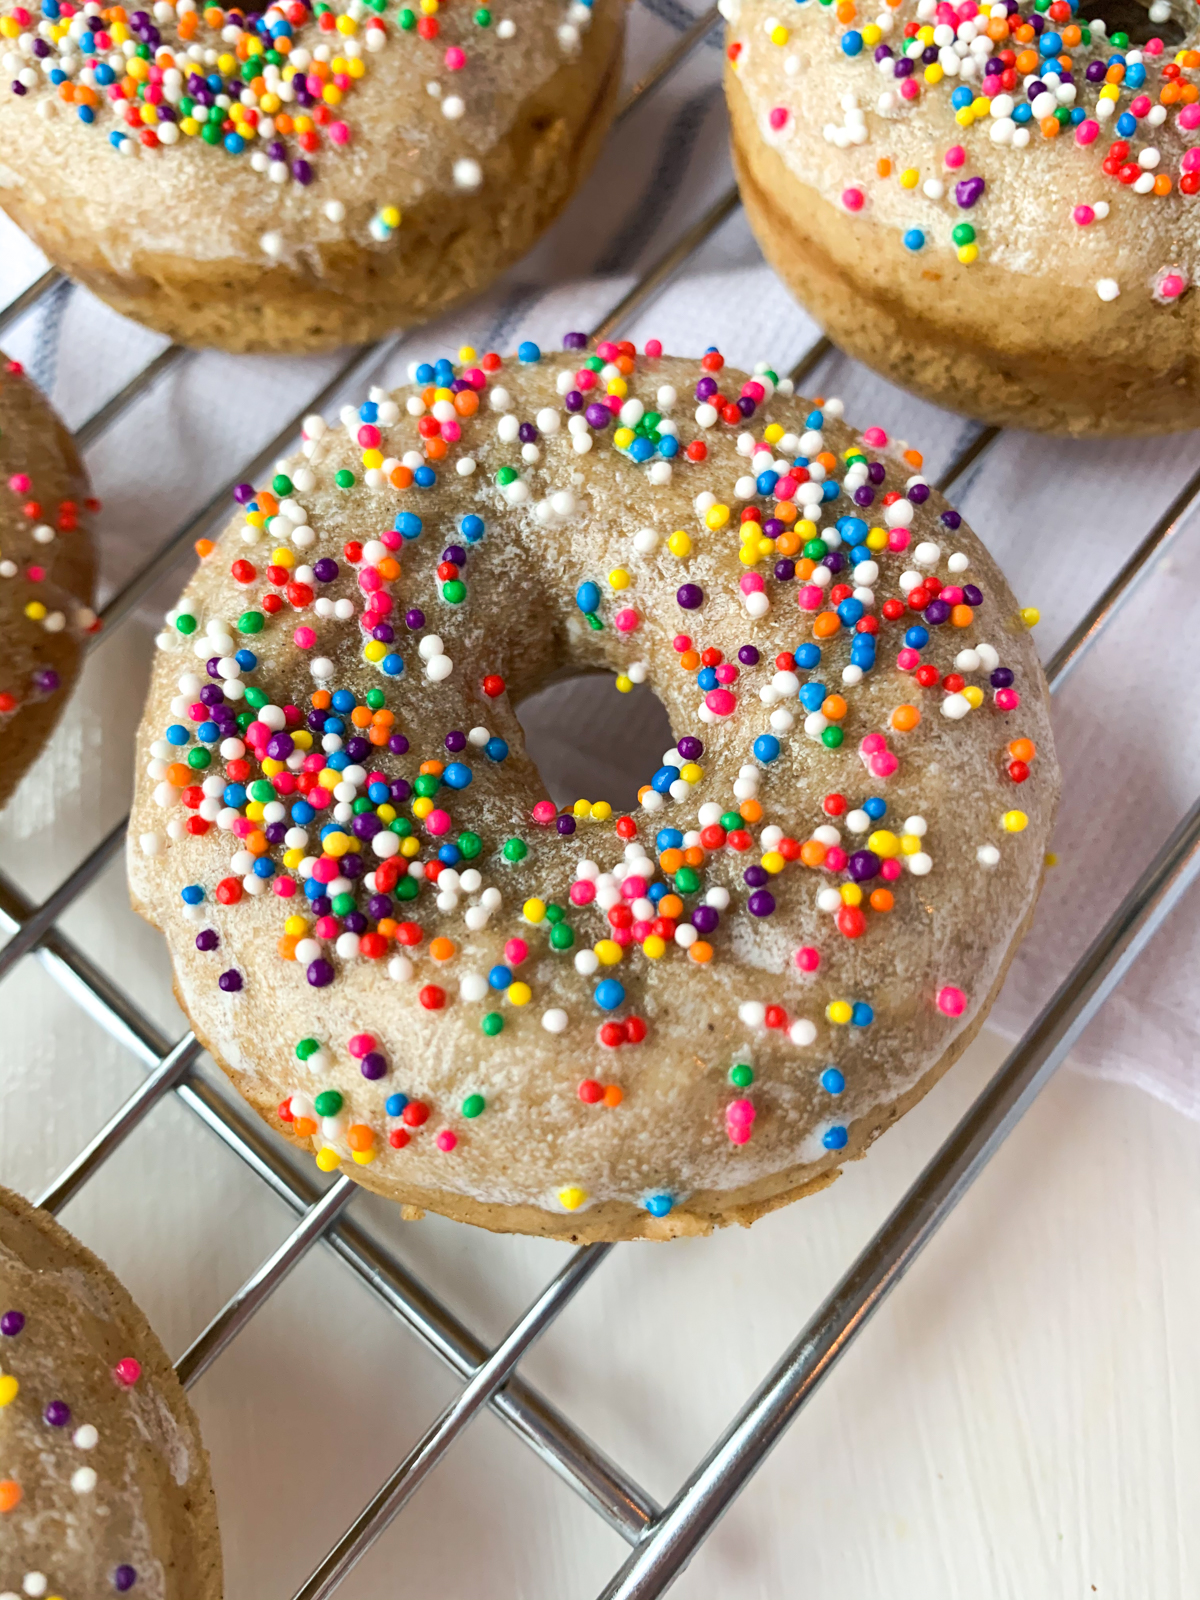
{"points": [[569, 1022], [380, 166], [45, 571], [104, 1484], [994, 206]]}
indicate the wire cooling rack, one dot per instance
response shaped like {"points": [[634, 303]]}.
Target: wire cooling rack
{"points": [[662, 1539]]}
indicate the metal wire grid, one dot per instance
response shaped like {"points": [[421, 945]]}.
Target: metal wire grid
{"points": [[662, 1539]]}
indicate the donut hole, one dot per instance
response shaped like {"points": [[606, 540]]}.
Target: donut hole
{"points": [[1133, 18], [591, 742]]}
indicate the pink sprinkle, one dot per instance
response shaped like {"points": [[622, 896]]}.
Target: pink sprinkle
{"points": [[361, 1044], [368, 436], [727, 673], [720, 702], [613, 402], [786, 488], [739, 1121], [952, 1001], [1189, 117], [327, 928], [583, 893], [1007, 699], [456, 58], [884, 764], [1191, 158], [754, 390], [339, 132], [1087, 132], [451, 431], [585, 379], [641, 931], [446, 1140], [243, 827], [654, 348], [853, 199], [890, 870], [1140, 105], [35, 574], [778, 117], [285, 888], [808, 959], [876, 438], [899, 539], [1172, 286], [304, 638], [319, 797], [810, 597], [955, 156], [608, 351], [634, 887], [681, 642], [545, 812], [127, 1371], [873, 742], [968, 11], [910, 89], [621, 936], [835, 859], [1153, 47], [515, 952], [626, 621], [952, 595], [752, 582], [325, 868], [19, 483], [437, 823]]}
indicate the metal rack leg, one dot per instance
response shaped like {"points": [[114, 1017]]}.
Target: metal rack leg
{"points": [[724, 1472]]}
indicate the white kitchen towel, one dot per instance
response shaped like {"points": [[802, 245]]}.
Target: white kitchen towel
{"points": [[1060, 516]]}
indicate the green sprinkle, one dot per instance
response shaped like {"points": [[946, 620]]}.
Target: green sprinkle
{"points": [[492, 1024], [730, 820], [687, 880], [211, 132], [454, 592], [408, 20], [361, 805], [815, 550], [1120, 40], [328, 1103], [244, 719], [474, 1104], [281, 484], [344, 479], [741, 1076], [483, 17], [427, 785], [343, 904], [505, 476], [376, 699], [250, 622], [594, 364], [593, 622], [832, 737], [185, 623], [407, 889], [199, 757], [515, 850], [554, 913], [400, 826], [261, 789], [469, 845], [562, 936], [256, 698], [307, 1047], [964, 233]]}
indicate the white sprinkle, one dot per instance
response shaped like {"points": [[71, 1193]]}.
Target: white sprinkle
{"points": [[468, 174], [85, 1438], [753, 1013], [83, 1480], [1108, 288], [555, 1020]]}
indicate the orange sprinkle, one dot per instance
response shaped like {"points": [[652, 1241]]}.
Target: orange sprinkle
{"points": [[883, 167], [826, 625], [913, 457], [1071, 35], [434, 767], [812, 853], [10, 1494], [256, 843], [750, 811], [1022, 750], [1050, 127], [388, 569], [466, 402], [834, 707], [961, 616], [671, 861], [287, 946], [436, 449], [321, 699], [613, 1094], [384, 718], [882, 900], [689, 660], [401, 476], [360, 1137], [905, 718], [670, 906], [204, 548], [441, 948], [786, 511], [361, 716], [700, 951], [805, 569], [694, 856], [305, 1127], [1028, 59], [180, 774], [1162, 183], [788, 543], [386, 927]]}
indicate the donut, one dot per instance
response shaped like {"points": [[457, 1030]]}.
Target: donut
{"points": [[993, 206], [104, 1483], [46, 571], [566, 1021], [379, 167]]}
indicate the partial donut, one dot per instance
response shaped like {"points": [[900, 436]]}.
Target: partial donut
{"points": [[104, 1484], [569, 1022], [993, 206], [46, 571], [303, 175]]}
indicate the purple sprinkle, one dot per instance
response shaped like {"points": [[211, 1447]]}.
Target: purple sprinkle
{"points": [[207, 939], [280, 746], [374, 1065], [1002, 678], [772, 527], [358, 747], [690, 596], [18, 88], [690, 748], [929, 55], [834, 560], [302, 171], [565, 826], [903, 68], [230, 981], [325, 570], [401, 788], [882, 53], [353, 865], [937, 612], [276, 151], [864, 495], [876, 472], [383, 632], [575, 341], [746, 406], [380, 906], [124, 1578], [321, 906], [862, 865], [320, 973], [398, 745], [968, 191], [705, 388], [573, 400], [366, 826], [527, 433], [456, 740], [919, 493], [57, 1413], [11, 1323], [598, 416], [1096, 71], [455, 553], [761, 903], [355, 922], [212, 694], [275, 832], [972, 595], [748, 655], [414, 619], [951, 520], [756, 877], [785, 570], [46, 681], [705, 919]]}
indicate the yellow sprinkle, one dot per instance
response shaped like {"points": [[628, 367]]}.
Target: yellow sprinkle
{"points": [[364, 1158], [572, 1197], [254, 810], [974, 695], [9, 1389], [773, 861], [884, 844], [410, 847], [910, 844], [967, 253], [690, 772], [1014, 822], [372, 458], [335, 844], [654, 946], [466, 352], [624, 684], [519, 994], [623, 438], [934, 73], [35, 611], [608, 952], [533, 910], [772, 433], [422, 806], [282, 557], [296, 926], [386, 813], [1051, 858], [780, 35], [271, 767], [328, 1159], [302, 739], [619, 387], [851, 894], [292, 859], [717, 516], [965, 117], [1030, 616], [582, 808], [375, 650], [601, 810], [679, 544], [839, 1011], [618, 578], [877, 539]]}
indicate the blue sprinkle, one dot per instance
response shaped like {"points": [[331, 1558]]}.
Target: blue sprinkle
{"points": [[1135, 76], [424, 373], [656, 891], [668, 839], [815, 420], [875, 807], [86, 114], [830, 490], [192, 894], [706, 679], [528, 352], [658, 1205], [668, 446], [343, 700], [247, 660], [424, 477], [851, 611], [663, 779], [500, 977], [471, 528], [807, 657], [813, 696], [961, 98], [458, 775], [496, 749], [378, 793], [1050, 44], [766, 481], [303, 813], [916, 638], [234, 795], [208, 733], [766, 748], [587, 598], [832, 1081], [1022, 113], [641, 449], [396, 1104], [408, 525], [392, 664], [178, 734], [338, 760], [914, 239], [264, 867], [609, 994], [835, 1138], [368, 411], [234, 143], [1077, 115], [862, 1016], [852, 43], [1126, 124], [449, 855]]}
